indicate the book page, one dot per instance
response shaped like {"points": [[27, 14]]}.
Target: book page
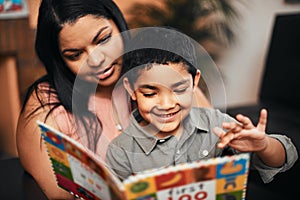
{"points": [[212, 179], [78, 170]]}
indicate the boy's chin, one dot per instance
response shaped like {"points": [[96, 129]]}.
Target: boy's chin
{"points": [[167, 130]]}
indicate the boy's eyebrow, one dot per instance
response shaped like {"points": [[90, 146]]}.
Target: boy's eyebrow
{"points": [[184, 81], [94, 39], [147, 86]]}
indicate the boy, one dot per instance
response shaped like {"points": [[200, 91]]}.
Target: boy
{"points": [[166, 129]]}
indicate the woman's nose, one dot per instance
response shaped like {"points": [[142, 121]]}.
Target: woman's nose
{"points": [[96, 58]]}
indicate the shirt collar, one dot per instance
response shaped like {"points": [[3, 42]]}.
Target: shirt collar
{"points": [[148, 141], [195, 119]]}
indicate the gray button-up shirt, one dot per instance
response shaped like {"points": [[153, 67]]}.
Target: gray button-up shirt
{"points": [[135, 150]]}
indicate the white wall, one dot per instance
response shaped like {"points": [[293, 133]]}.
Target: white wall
{"points": [[242, 65]]}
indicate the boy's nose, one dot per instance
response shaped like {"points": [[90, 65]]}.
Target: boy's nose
{"points": [[96, 58], [167, 101]]}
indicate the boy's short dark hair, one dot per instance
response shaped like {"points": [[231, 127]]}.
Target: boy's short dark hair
{"points": [[158, 46]]}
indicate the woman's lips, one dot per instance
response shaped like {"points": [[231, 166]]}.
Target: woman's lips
{"points": [[106, 73]]}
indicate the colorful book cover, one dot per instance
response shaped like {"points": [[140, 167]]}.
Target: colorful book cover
{"points": [[85, 175]]}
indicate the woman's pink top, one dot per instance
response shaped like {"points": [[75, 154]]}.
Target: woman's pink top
{"points": [[104, 110]]}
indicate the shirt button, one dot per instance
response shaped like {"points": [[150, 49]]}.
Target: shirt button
{"points": [[161, 141], [205, 153], [178, 152]]}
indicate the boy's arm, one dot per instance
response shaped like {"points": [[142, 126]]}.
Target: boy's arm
{"points": [[274, 154]]}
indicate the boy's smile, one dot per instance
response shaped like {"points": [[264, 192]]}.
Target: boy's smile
{"points": [[168, 117]]}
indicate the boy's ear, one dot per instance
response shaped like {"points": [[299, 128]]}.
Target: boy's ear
{"points": [[127, 86], [197, 78]]}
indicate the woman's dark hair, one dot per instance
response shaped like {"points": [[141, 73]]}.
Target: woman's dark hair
{"points": [[52, 15]]}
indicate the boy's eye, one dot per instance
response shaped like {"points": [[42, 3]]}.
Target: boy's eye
{"points": [[149, 94], [180, 90]]}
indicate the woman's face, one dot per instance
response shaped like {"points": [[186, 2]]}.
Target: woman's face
{"points": [[90, 47]]}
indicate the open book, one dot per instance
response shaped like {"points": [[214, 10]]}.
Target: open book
{"points": [[85, 175]]}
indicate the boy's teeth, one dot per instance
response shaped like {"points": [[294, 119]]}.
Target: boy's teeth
{"points": [[168, 115]]}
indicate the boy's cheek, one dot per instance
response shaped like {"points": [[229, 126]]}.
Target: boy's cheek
{"points": [[186, 101]]}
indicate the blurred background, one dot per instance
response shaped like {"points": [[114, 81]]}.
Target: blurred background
{"points": [[236, 33]]}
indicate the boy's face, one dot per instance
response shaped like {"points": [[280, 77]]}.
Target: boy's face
{"points": [[164, 95]]}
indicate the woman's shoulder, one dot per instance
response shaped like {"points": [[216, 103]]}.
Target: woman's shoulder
{"points": [[43, 104], [46, 93], [39, 98], [41, 92]]}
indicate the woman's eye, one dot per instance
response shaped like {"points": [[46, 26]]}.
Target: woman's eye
{"points": [[104, 39], [74, 56]]}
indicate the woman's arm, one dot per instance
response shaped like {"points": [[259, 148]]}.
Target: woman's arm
{"points": [[32, 152]]}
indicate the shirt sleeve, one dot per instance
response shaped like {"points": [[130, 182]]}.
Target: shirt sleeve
{"points": [[116, 158], [267, 173]]}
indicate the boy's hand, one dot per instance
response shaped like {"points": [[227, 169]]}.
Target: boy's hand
{"points": [[244, 136]]}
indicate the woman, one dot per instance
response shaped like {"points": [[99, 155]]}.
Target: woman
{"points": [[67, 32], [75, 38]]}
